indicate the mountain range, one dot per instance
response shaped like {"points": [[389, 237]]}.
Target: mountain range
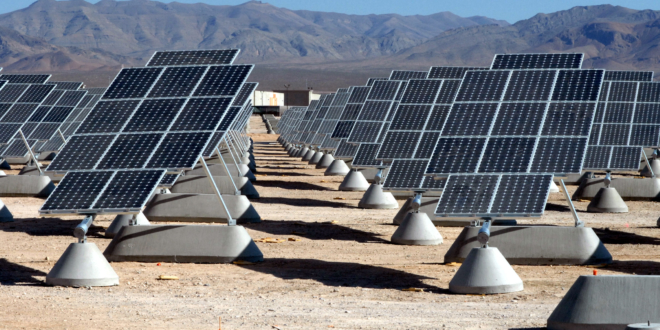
{"points": [[328, 48]]}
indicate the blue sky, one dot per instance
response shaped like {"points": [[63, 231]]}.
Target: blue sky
{"points": [[510, 10]]}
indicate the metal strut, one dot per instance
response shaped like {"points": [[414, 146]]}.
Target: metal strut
{"points": [[578, 222], [34, 159], [224, 165], [230, 220], [648, 164], [80, 232]]}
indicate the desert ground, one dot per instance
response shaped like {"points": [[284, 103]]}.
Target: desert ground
{"points": [[343, 273]]}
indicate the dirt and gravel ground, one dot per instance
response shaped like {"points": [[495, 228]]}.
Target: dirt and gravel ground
{"points": [[342, 274]]}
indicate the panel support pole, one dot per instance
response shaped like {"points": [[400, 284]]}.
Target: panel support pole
{"points": [[230, 220], [224, 165], [34, 159], [578, 222]]}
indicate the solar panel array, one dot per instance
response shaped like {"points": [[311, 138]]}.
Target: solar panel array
{"points": [[149, 121], [347, 121], [416, 127], [627, 119], [20, 100], [554, 111], [498, 167]]}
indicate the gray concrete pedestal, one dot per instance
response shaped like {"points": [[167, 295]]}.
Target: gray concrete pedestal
{"points": [[301, 153], [376, 198], [219, 170], [607, 200], [485, 271], [199, 184], [316, 158], [628, 189], [325, 161], [82, 264], [199, 208], [25, 186], [308, 155], [337, 168], [416, 229], [124, 220], [354, 181], [183, 243], [607, 302], [655, 166], [536, 245]]}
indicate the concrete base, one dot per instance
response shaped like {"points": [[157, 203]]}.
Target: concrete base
{"points": [[537, 245], [417, 229], [4, 165], [645, 326], [628, 189], [354, 181], [32, 170], [607, 200], [199, 184], [124, 220], [199, 208], [325, 161], [485, 271], [293, 152], [190, 243], [428, 206], [655, 166], [553, 187], [301, 153], [576, 179], [316, 158], [5, 214], [25, 185], [18, 160], [376, 198], [308, 155], [219, 170], [607, 302], [337, 168], [49, 155], [82, 264]]}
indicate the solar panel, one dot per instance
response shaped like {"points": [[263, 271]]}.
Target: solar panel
{"points": [[537, 61], [365, 156], [193, 57], [374, 112], [371, 81], [494, 196], [25, 78], [451, 72], [627, 116], [37, 109], [133, 129], [66, 85], [480, 121], [628, 75], [103, 192], [407, 75]]}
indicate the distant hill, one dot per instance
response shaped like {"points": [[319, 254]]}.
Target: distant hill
{"points": [[306, 48], [610, 36], [264, 33]]}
